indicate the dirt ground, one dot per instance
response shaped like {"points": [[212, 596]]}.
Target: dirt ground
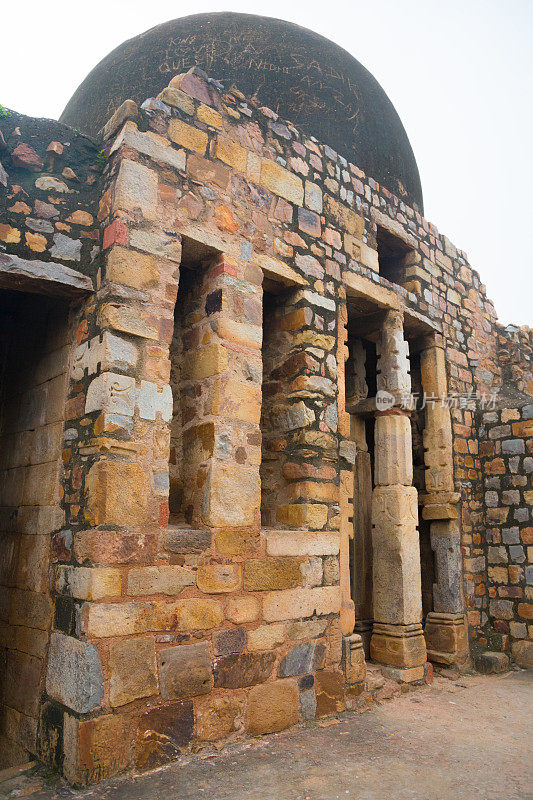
{"points": [[468, 737]]}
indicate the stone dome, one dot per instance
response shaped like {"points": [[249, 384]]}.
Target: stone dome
{"points": [[305, 78]]}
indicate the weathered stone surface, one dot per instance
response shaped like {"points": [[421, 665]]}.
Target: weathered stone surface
{"points": [[186, 541], [273, 573], [132, 670], [491, 662], [280, 181], [302, 659], [228, 641], [218, 717], [523, 653], [95, 749], [163, 731], [87, 583], [272, 707], [74, 673], [185, 671], [245, 669], [245, 608], [296, 603], [266, 637], [131, 268], [329, 692], [117, 493], [187, 136], [218, 578], [136, 189], [47, 276], [169, 580]]}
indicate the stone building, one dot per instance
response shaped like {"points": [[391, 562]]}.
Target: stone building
{"points": [[259, 423]]}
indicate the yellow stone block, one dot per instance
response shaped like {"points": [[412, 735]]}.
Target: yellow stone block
{"points": [[242, 608], [344, 217], [9, 235], [280, 181], [308, 515], [218, 578], [187, 136], [209, 116], [203, 363], [36, 242], [117, 494], [80, 218], [125, 319], [131, 268], [231, 153]]}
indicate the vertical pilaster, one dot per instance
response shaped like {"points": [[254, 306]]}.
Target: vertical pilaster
{"points": [[446, 629], [397, 640]]}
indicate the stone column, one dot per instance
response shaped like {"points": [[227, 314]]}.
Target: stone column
{"points": [[446, 629], [397, 640]]}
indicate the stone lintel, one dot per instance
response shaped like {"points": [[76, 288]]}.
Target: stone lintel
{"points": [[358, 286], [42, 277], [390, 225]]}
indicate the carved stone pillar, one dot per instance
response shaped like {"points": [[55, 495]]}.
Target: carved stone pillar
{"points": [[397, 641], [446, 629]]}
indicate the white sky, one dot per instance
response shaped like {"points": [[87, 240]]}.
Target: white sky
{"points": [[459, 73]]}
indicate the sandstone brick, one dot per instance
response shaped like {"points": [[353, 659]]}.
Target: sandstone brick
{"points": [[87, 583], [243, 669], [136, 189], [209, 116], [177, 99], [272, 707], [169, 580], [163, 731], [131, 268], [218, 717], [95, 749], [187, 136], [280, 181], [309, 515], [233, 496], [219, 578], [302, 602], [228, 641], [266, 637], [132, 670], [273, 573], [291, 543], [117, 493], [74, 673], [125, 319], [329, 692], [344, 217], [231, 153], [210, 360], [243, 608], [185, 671]]}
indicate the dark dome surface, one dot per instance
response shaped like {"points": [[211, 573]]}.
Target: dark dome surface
{"points": [[304, 77]]}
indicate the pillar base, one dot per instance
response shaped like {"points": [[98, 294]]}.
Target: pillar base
{"points": [[364, 628], [408, 675], [447, 639], [400, 646]]}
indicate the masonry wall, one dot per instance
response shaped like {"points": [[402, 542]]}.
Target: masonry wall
{"points": [[181, 631], [33, 367]]}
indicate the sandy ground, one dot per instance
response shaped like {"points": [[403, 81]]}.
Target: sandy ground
{"points": [[464, 738]]}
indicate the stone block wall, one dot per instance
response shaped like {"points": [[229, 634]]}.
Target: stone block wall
{"points": [[182, 618], [507, 478], [33, 369], [49, 185]]}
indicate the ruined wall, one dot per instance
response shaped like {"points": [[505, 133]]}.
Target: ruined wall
{"points": [[49, 184], [211, 627], [507, 458], [33, 367]]}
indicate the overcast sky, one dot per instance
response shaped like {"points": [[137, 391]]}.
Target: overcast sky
{"points": [[460, 73]]}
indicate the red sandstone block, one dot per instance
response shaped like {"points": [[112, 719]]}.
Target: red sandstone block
{"points": [[116, 233]]}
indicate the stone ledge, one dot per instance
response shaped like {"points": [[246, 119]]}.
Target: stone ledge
{"points": [[42, 277]]}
